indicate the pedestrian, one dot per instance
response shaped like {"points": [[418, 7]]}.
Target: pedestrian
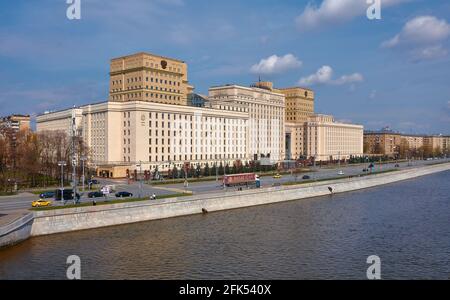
{"points": [[153, 196], [94, 203]]}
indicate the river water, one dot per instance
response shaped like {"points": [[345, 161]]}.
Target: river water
{"points": [[406, 224]]}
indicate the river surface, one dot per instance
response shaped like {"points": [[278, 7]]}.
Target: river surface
{"points": [[407, 224]]}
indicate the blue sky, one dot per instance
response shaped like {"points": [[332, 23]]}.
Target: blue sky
{"points": [[390, 72]]}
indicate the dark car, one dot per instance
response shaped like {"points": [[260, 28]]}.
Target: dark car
{"points": [[66, 194], [47, 195], [96, 194], [365, 170], [306, 177], [123, 194], [93, 181]]}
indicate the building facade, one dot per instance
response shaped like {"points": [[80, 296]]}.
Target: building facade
{"points": [[299, 104], [150, 78], [382, 142], [327, 139], [16, 122], [122, 135], [266, 112], [392, 144]]}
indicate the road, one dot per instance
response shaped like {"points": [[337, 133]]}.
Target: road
{"points": [[23, 201], [321, 173]]}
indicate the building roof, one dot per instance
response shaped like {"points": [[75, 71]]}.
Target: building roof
{"points": [[295, 87], [148, 53]]}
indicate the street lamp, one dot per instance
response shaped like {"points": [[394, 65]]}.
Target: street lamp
{"points": [[140, 178], [83, 159], [62, 164], [339, 160]]}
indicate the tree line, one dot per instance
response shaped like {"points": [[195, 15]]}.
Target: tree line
{"points": [[30, 159]]}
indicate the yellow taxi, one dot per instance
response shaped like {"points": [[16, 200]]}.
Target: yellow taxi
{"points": [[277, 176], [41, 203]]}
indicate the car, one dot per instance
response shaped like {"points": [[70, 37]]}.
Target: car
{"points": [[123, 194], [93, 181], [277, 176], [41, 203], [365, 170], [96, 194], [397, 166], [341, 173], [306, 177], [47, 195]]}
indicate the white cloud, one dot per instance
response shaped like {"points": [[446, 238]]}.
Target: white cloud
{"points": [[322, 76], [422, 37], [335, 11], [276, 64], [355, 77], [421, 30], [428, 53], [325, 76]]}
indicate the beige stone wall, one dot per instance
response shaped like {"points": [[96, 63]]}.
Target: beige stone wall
{"points": [[297, 134], [266, 110], [327, 139], [156, 135], [149, 77], [299, 104]]}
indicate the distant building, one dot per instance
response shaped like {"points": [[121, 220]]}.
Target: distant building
{"points": [[383, 142], [197, 100], [16, 122], [327, 139], [390, 143]]}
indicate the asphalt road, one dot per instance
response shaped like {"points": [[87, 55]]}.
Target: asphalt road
{"points": [[23, 201]]}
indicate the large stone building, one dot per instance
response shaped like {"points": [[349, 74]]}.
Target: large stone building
{"points": [[327, 139], [148, 122], [299, 106], [121, 135], [148, 77], [266, 112], [154, 120]]}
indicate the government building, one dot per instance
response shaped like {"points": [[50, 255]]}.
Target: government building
{"points": [[153, 120]]}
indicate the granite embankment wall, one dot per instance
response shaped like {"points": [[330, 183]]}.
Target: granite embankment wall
{"points": [[16, 231], [57, 221], [82, 218]]}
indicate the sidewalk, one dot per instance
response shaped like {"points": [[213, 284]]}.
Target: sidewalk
{"points": [[23, 194], [10, 216]]}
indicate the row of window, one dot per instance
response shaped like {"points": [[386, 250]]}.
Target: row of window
{"points": [[191, 157]]}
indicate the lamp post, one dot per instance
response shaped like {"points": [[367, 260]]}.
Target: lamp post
{"points": [[339, 160], [217, 171], [140, 178], [62, 164], [83, 159]]}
